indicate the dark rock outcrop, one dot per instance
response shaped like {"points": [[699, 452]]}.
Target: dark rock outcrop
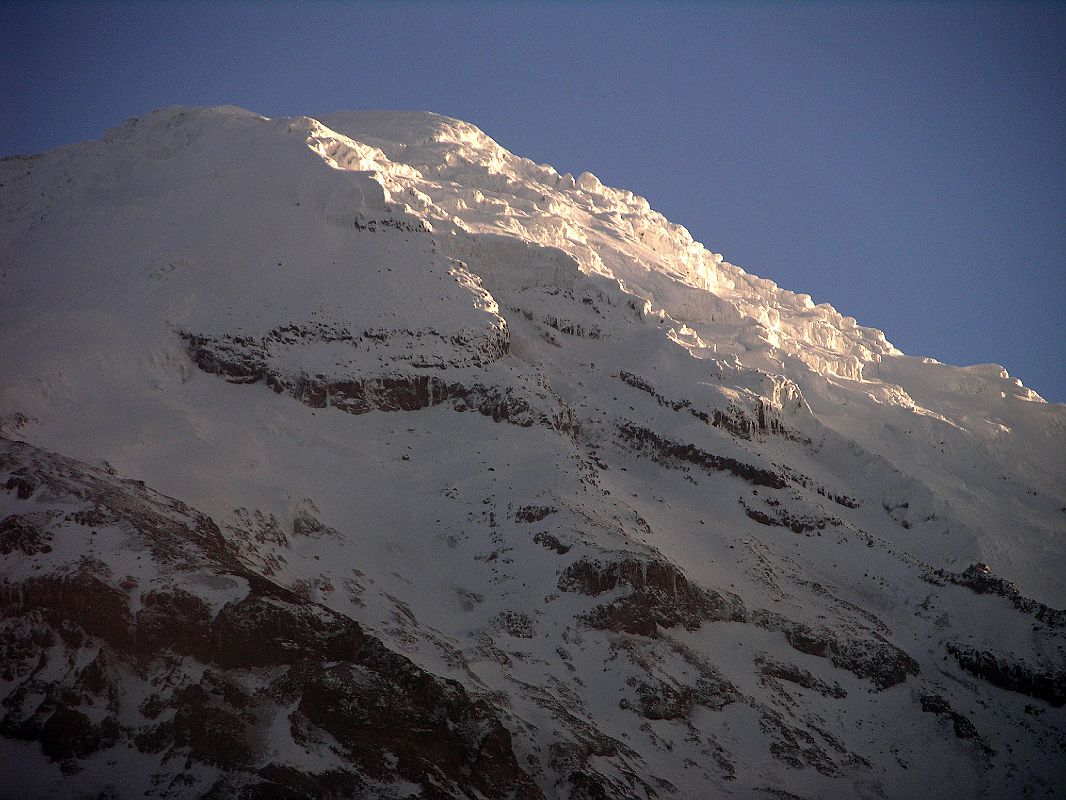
{"points": [[777, 515], [659, 595], [1043, 681], [869, 655], [780, 670], [21, 532], [659, 700], [407, 382], [980, 579], [964, 729], [533, 513], [670, 452], [733, 419]]}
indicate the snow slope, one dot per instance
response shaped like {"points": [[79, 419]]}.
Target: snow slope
{"points": [[682, 532]]}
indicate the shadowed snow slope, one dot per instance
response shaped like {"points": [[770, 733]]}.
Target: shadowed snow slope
{"points": [[359, 457]]}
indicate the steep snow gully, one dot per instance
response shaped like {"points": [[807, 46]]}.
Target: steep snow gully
{"points": [[355, 456]]}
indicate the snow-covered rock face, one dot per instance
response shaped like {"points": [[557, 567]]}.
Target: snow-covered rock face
{"points": [[597, 513]]}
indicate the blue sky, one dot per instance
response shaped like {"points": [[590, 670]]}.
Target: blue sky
{"points": [[904, 162]]}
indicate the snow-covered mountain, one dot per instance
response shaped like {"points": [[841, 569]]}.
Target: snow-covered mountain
{"points": [[355, 456]]}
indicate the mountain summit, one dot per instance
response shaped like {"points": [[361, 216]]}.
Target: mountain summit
{"points": [[355, 456]]}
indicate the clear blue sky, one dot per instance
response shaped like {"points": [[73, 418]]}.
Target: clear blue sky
{"points": [[906, 163]]}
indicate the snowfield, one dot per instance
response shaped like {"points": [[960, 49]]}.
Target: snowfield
{"points": [[355, 456]]}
